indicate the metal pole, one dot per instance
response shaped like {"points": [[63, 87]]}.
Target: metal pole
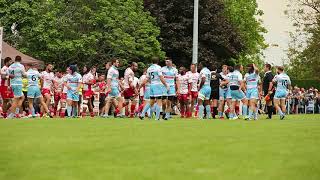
{"points": [[1, 35], [195, 32]]}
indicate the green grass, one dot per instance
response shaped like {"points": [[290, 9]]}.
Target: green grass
{"points": [[179, 149]]}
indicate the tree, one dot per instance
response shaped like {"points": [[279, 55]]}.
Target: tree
{"points": [[228, 30], [303, 49], [81, 31], [218, 39]]}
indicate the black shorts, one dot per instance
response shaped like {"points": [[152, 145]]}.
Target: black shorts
{"points": [[102, 100], [214, 94]]}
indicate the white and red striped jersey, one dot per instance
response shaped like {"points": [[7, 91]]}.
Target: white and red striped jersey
{"points": [[59, 84], [184, 83], [87, 78], [128, 76], [5, 72], [48, 79], [194, 78]]}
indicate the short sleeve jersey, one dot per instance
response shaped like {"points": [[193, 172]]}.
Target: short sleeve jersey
{"points": [[33, 77], [169, 74], [18, 70], [154, 73], [113, 74]]}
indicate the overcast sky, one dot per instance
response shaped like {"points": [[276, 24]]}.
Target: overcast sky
{"points": [[278, 26]]}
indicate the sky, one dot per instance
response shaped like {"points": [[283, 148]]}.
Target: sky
{"points": [[278, 26]]}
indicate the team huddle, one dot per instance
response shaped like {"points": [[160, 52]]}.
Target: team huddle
{"points": [[204, 94]]}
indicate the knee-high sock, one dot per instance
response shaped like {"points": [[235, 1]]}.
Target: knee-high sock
{"points": [[157, 110], [75, 111], [220, 114], [201, 110], [245, 110], [270, 111], [208, 111], [280, 111], [250, 113], [145, 109], [132, 109], [69, 110]]}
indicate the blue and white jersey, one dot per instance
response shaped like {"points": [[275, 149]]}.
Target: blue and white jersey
{"points": [[235, 78], [169, 74], [205, 72], [283, 81], [33, 77], [18, 70], [73, 80], [252, 80], [113, 74], [154, 73]]}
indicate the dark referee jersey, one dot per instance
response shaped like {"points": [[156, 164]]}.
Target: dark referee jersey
{"points": [[268, 77], [215, 81]]}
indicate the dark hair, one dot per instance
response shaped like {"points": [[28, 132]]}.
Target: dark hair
{"points": [[155, 60], [230, 68], [73, 68], [18, 59], [6, 60], [30, 64], [237, 67], [280, 68], [268, 66], [114, 60], [250, 68]]}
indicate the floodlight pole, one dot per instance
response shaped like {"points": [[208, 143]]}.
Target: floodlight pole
{"points": [[195, 32], [1, 37]]}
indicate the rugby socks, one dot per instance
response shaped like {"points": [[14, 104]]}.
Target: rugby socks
{"points": [[280, 111], [145, 109], [69, 110], [250, 113], [157, 110], [270, 111], [201, 109], [167, 115], [208, 111], [132, 110], [75, 112], [245, 110], [17, 111], [220, 114]]}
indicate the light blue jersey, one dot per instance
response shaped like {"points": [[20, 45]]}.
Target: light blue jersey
{"points": [[33, 77], [33, 83], [18, 70], [113, 74], [73, 80], [205, 90], [283, 82], [252, 82], [234, 78], [235, 93], [170, 74], [156, 87]]}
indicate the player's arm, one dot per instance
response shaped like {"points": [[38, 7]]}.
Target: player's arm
{"points": [[202, 81], [79, 84], [163, 80], [177, 84], [256, 69]]}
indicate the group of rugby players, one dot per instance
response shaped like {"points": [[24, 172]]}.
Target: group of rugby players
{"points": [[204, 95]]}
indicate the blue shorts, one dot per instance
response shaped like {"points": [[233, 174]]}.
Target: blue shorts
{"points": [[156, 90], [252, 93], [235, 95], [17, 90], [114, 93], [280, 94], [223, 93], [205, 92], [146, 94], [73, 95], [171, 92], [33, 92]]}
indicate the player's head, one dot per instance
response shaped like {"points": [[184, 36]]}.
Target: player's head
{"points": [[193, 68], [73, 69], [230, 69], [201, 65], [49, 67], [214, 67], [107, 65], [182, 70], [280, 69], [155, 60], [115, 62], [59, 74], [168, 62], [237, 67], [134, 66], [7, 61], [225, 69], [102, 77], [250, 68], [267, 67], [18, 59], [93, 70]]}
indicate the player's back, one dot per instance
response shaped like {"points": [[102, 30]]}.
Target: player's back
{"points": [[283, 81], [234, 78], [16, 69], [154, 73], [33, 77], [205, 72], [252, 80]]}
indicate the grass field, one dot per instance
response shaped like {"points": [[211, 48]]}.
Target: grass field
{"points": [[78, 149]]}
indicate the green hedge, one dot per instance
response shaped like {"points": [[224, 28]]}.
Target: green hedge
{"points": [[306, 83]]}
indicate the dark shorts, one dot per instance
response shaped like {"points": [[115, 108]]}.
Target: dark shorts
{"points": [[102, 100], [214, 94]]}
